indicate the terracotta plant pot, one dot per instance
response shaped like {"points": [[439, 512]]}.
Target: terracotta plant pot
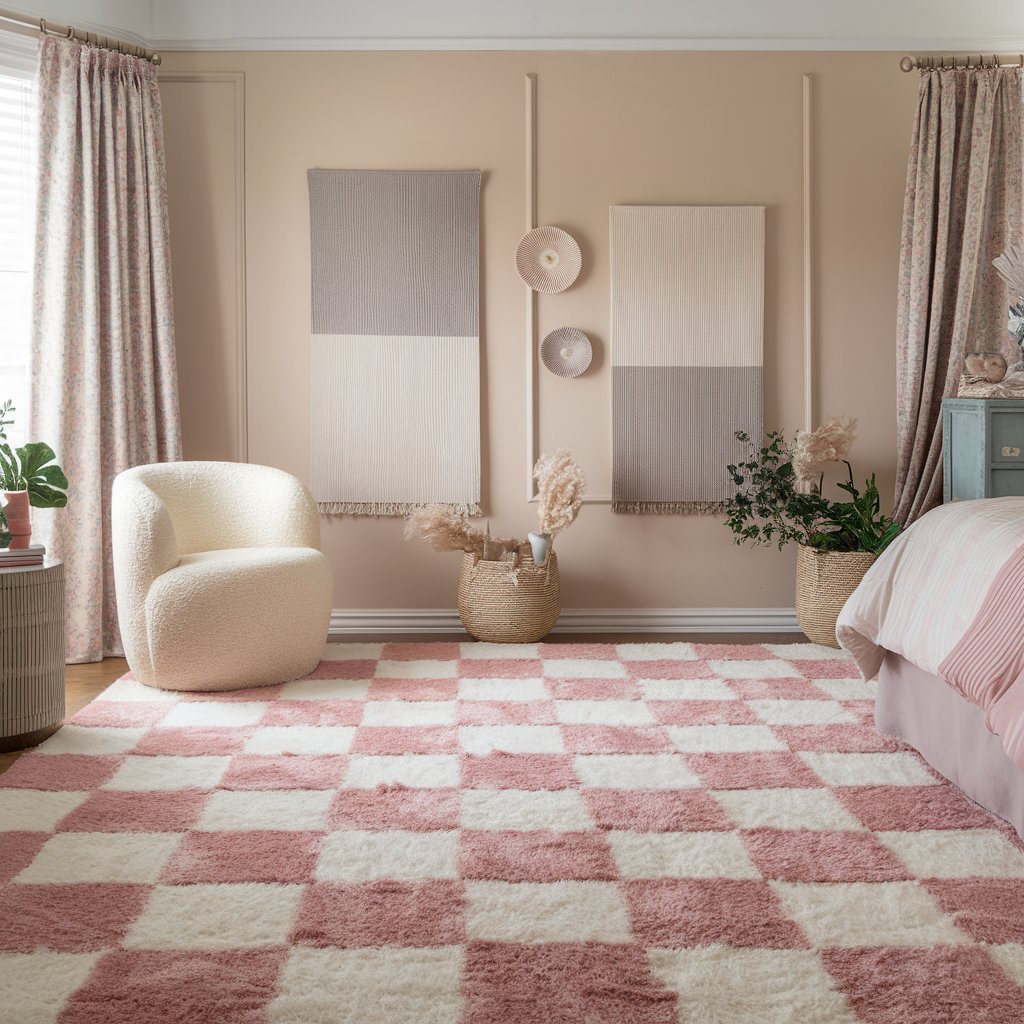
{"points": [[824, 582], [16, 511]]}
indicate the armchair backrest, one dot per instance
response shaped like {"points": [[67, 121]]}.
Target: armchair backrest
{"points": [[215, 505]]}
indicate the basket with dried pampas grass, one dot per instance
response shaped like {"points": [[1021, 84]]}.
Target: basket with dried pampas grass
{"points": [[509, 592]]}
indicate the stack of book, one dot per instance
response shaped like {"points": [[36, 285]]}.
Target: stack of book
{"points": [[18, 558]]}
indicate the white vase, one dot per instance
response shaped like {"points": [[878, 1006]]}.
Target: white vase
{"points": [[541, 545]]}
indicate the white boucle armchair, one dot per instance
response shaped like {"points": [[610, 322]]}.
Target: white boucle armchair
{"points": [[220, 580]]}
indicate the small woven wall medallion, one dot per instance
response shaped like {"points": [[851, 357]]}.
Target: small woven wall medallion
{"points": [[548, 260], [566, 352]]}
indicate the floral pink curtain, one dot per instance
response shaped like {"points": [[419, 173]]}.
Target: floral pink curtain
{"points": [[963, 206], [104, 383]]}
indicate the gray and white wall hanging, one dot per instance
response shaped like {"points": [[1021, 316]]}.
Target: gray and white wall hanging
{"points": [[566, 352], [396, 340], [687, 352], [548, 260]]}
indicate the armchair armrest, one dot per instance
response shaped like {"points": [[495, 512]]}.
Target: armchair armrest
{"points": [[145, 546]]}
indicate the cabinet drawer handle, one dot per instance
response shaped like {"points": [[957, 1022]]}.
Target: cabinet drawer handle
{"points": [[1011, 453]]}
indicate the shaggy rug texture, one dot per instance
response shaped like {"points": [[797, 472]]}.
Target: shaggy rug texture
{"points": [[471, 834]]}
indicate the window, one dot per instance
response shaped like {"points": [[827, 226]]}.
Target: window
{"points": [[17, 202]]}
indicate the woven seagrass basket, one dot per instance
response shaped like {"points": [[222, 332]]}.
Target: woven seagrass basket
{"points": [[508, 603], [824, 582]]}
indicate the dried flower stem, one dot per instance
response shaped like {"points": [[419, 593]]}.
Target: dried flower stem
{"points": [[560, 489]]}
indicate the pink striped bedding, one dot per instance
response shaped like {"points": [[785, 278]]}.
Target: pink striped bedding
{"points": [[948, 595]]}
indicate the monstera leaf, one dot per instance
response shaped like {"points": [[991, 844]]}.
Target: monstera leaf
{"points": [[43, 478]]}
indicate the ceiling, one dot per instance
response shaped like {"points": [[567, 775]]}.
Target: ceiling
{"points": [[988, 25]]}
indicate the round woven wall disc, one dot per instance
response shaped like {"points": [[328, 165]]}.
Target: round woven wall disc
{"points": [[548, 260], [566, 352]]}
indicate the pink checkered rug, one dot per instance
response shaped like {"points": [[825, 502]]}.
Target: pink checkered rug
{"points": [[469, 834]]}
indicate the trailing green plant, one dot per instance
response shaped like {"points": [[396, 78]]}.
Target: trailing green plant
{"points": [[773, 505], [32, 468]]}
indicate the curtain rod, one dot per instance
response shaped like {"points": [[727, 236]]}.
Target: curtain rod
{"points": [[962, 60], [82, 35]]}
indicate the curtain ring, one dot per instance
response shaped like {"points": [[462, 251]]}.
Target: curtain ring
{"points": [[42, 25], [71, 32]]}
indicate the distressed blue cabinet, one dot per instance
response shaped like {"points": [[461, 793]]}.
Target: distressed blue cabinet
{"points": [[982, 448]]}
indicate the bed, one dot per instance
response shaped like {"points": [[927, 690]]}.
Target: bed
{"points": [[939, 621]]}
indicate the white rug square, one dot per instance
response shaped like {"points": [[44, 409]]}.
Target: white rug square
{"points": [[277, 810], [431, 771], [209, 714], [584, 668], [503, 689], [417, 669], [762, 669], [130, 690], [35, 986], [546, 912], [807, 652], [634, 771], [800, 712], [895, 769], [812, 809], [363, 856], [559, 810], [409, 712], [513, 739], [603, 712], [29, 810], [848, 914], [301, 739], [847, 689], [101, 857], [370, 986], [78, 739], [656, 652], [168, 773], [686, 689], [722, 985], [695, 739], [956, 853], [681, 855], [480, 649], [1010, 956], [326, 689], [222, 916]]}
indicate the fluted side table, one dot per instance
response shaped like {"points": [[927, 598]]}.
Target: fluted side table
{"points": [[31, 654]]}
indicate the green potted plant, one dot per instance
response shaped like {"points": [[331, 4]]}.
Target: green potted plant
{"points": [[29, 475], [779, 501]]}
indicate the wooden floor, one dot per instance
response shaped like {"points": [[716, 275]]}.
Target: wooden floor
{"points": [[84, 682]]}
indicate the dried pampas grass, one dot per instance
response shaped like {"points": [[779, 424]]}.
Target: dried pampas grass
{"points": [[446, 530], [1010, 267], [560, 489], [831, 442]]}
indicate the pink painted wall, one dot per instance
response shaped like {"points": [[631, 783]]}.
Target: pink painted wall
{"points": [[612, 128]]}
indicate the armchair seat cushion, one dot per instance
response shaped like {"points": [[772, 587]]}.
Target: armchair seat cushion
{"points": [[237, 617]]}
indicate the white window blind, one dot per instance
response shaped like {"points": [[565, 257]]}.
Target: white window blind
{"points": [[17, 202]]}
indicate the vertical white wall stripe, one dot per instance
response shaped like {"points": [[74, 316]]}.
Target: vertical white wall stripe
{"points": [[531, 295], [808, 202]]}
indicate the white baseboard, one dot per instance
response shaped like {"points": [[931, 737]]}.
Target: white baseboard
{"points": [[351, 621]]}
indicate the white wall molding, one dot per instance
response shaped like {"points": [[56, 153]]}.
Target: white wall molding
{"points": [[905, 44], [351, 621], [983, 25]]}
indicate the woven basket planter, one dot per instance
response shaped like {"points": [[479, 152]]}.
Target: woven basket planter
{"points": [[824, 582], [507, 605]]}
